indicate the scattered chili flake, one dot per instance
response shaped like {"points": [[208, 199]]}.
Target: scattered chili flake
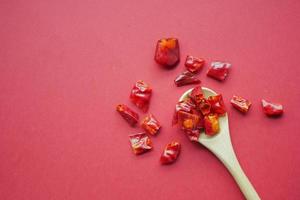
{"points": [[186, 78], [170, 153], [219, 70], [129, 115], [167, 52], [141, 95], [217, 104], [240, 103], [140, 143], [272, 109], [194, 64], [211, 124], [151, 125]]}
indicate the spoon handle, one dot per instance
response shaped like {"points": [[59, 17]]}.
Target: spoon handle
{"points": [[241, 179], [222, 148]]}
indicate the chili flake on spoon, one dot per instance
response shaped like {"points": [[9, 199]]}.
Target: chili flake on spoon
{"points": [[203, 115]]}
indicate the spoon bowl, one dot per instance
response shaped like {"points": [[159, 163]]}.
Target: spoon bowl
{"points": [[220, 145], [223, 121]]}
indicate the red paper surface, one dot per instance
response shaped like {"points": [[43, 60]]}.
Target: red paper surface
{"points": [[64, 65]]}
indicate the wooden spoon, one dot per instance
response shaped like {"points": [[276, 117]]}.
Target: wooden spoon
{"points": [[220, 145]]}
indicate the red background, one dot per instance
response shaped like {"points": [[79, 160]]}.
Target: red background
{"points": [[64, 65]]}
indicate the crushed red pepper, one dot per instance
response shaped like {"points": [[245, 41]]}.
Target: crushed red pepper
{"points": [[186, 78], [272, 109], [167, 52], [211, 124], [217, 104], [170, 153], [140, 95], [129, 115], [219, 70], [150, 124], [187, 105], [240, 103], [194, 64], [203, 115], [140, 143]]}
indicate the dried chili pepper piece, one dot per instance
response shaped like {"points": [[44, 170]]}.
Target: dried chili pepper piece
{"points": [[129, 115], [219, 70], [167, 52], [188, 121], [187, 105], [140, 143], [217, 104], [272, 109], [150, 124], [204, 106], [193, 135], [240, 103], [141, 95], [211, 124], [186, 78], [196, 94], [170, 153], [194, 64]]}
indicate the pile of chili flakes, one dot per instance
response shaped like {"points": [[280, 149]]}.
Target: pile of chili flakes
{"points": [[195, 113]]}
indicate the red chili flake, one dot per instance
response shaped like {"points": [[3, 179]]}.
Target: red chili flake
{"points": [[196, 94], [167, 52], [272, 109], [188, 121], [217, 104], [219, 70], [141, 95], [194, 64], [240, 103], [204, 106], [151, 124], [130, 116], [193, 135], [211, 124], [186, 78], [170, 153], [187, 105], [140, 143]]}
